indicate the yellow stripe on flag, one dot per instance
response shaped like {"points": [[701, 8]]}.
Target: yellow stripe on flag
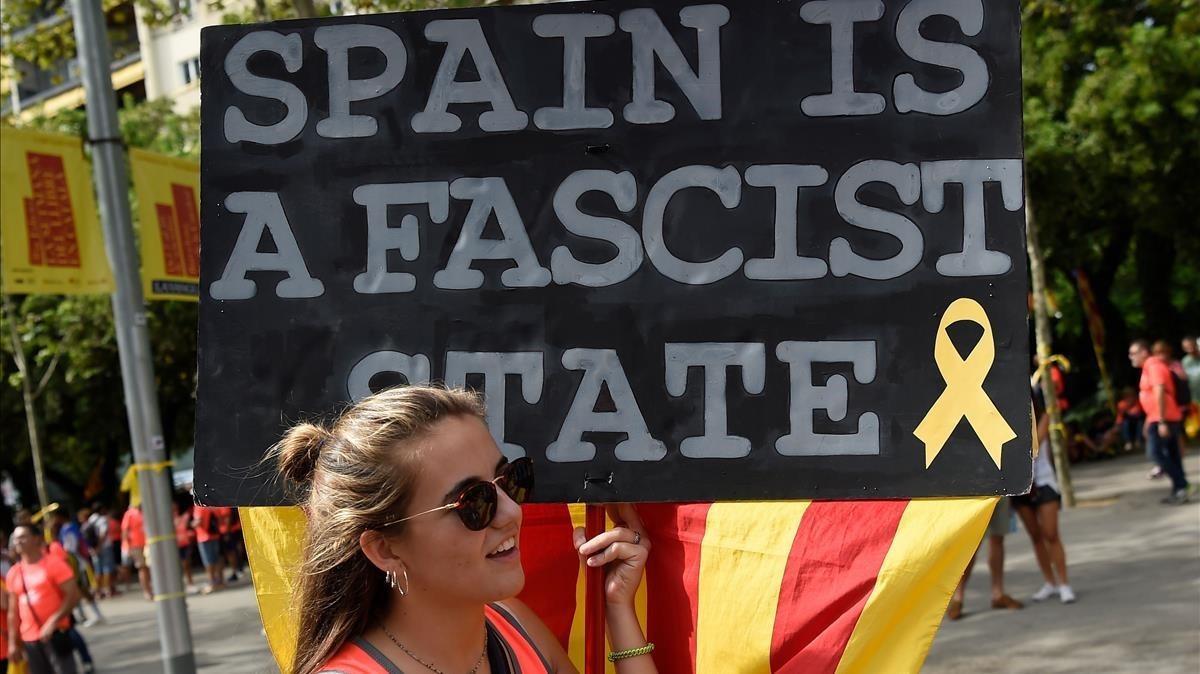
{"points": [[575, 645], [742, 561], [274, 544], [932, 546]]}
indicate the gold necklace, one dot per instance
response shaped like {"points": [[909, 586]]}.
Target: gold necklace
{"points": [[478, 661]]}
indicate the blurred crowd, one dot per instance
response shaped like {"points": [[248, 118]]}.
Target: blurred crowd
{"points": [[1124, 428], [57, 566], [1159, 416]]}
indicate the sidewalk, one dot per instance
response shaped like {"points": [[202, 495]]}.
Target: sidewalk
{"points": [[226, 634], [1134, 563]]}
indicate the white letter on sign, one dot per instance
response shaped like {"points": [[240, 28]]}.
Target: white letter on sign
{"points": [[415, 370], [527, 366], [975, 259], [490, 195], [650, 39], [601, 368], [381, 238], [623, 189], [805, 398], [909, 96], [289, 48], [574, 29], [787, 179], [906, 178], [338, 41], [263, 211], [727, 184], [462, 36], [841, 15], [714, 358]]}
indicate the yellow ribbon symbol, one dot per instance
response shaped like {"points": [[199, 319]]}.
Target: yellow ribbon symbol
{"points": [[964, 395]]}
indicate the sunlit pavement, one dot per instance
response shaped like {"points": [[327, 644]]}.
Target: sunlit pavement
{"points": [[1135, 566], [226, 634], [1134, 563]]}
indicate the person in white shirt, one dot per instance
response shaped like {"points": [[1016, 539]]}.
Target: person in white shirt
{"points": [[1038, 511]]}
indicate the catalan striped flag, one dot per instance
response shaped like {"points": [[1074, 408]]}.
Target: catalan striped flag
{"points": [[778, 586]]}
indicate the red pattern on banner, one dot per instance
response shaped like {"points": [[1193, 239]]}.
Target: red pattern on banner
{"points": [[831, 571], [188, 217], [49, 219], [169, 233], [179, 224], [34, 232]]}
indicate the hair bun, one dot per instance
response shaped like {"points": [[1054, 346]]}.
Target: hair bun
{"points": [[299, 450]]}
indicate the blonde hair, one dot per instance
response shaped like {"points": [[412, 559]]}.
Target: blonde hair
{"points": [[350, 477]]}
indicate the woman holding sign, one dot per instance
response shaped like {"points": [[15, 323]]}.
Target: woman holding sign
{"points": [[411, 558]]}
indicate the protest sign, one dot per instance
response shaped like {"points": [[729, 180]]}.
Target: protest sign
{"points": [[753, 250]]}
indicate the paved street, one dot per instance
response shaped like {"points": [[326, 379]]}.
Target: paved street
{"points": [[1134, 563], [226, 633]]}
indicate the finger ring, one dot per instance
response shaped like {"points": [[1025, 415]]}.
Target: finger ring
{"points": [[637, 538]]}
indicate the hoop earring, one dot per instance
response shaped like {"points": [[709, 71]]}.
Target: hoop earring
{"points": [[393, 581]]}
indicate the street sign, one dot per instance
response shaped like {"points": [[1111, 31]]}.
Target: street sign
{"points": [[753, 250]]}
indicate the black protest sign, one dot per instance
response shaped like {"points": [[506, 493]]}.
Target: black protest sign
{"points": [[751, 250]]}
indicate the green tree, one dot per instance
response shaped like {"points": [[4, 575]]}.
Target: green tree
{"points": [[38, 31], [1112, 105], [81, 412]]}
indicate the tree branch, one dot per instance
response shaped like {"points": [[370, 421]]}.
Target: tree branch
{"points": [[15, 337], [37, 392]]}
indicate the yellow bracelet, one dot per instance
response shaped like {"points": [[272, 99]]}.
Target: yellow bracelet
{"points": [[631, 653]]}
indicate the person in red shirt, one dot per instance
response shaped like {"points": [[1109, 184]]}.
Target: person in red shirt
{"points": [[1156, 394], [207, 523], [133, 543], [184, 537], [3, 604], [41, 594], [1130, 418]]}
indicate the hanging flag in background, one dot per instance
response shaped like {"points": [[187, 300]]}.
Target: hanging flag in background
{"points": [[50, 230], [168, 191], [766, 586], [1095, 323]]}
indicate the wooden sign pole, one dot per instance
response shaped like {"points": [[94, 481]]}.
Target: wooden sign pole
{"points": [[593, 617]]}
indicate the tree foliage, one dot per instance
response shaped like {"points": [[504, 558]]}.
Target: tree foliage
{"points": [[1112, 105], [82, 412]]}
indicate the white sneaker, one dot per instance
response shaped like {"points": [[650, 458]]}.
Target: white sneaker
{"points": [[1066, 594], [1048, 590], [88, 623]]}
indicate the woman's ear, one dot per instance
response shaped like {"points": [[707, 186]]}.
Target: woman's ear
{"points": [[382, 550]]}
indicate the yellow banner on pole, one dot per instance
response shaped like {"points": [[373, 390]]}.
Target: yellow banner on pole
{"points": [[168, 191], [52, 242]]}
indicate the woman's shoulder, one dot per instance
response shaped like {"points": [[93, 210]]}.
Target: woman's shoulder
{"points": [[357, 657], [521, 627]]}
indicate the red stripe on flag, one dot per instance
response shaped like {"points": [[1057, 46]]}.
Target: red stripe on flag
{"points": [[672, 582], [551, 566], [831, 571]]}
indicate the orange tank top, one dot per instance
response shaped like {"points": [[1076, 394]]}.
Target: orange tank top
{"points": [[510, 650]]}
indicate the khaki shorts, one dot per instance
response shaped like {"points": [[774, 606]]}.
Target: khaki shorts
{"points": [[138, 557], [1001, 519]]}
